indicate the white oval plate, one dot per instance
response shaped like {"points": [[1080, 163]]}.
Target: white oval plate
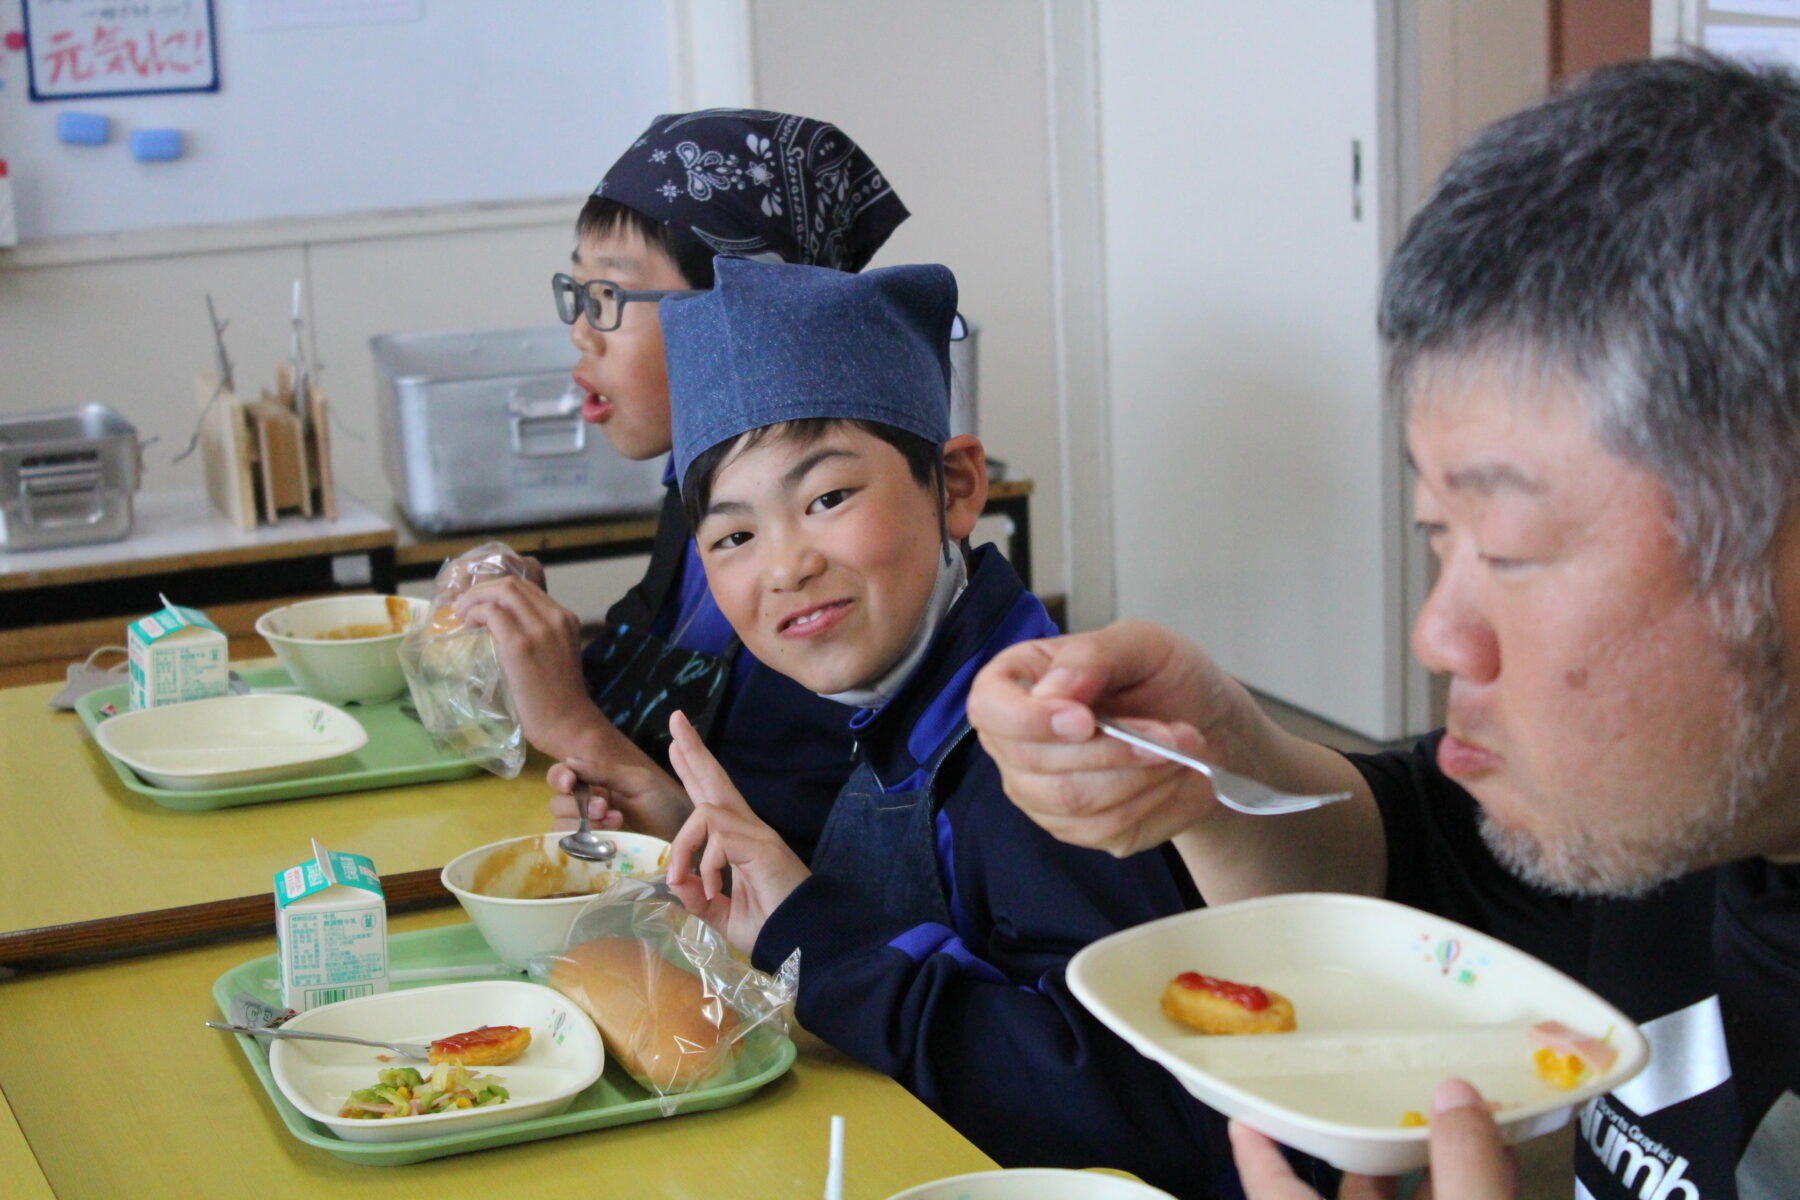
{"points": [[565, 1056], [1389, 1000], [230, 741]]}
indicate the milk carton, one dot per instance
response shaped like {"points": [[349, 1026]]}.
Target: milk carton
{"points": [[331, 930], [176, 654]]}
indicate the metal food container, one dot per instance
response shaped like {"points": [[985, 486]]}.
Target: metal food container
{"points": [[482, 429], [66, 477]]}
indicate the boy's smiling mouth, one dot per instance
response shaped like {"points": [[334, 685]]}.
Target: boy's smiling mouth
{"points": [[810, 622]]}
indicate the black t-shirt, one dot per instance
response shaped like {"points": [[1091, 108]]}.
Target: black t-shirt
{"points": [[1708, 966]]}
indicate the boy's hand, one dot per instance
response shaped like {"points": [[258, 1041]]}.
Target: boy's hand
{"points": [[724, 832], [539, 644], [626, 793], [1468, 1159]]}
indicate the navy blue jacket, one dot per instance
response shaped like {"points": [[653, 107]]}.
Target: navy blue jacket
{"points": [[977, 1020]]}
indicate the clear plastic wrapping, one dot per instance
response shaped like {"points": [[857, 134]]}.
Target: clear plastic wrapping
{"points": [[454, 672], [674, 1004]]}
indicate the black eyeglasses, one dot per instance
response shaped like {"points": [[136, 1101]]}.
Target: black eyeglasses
{"points": [[601, 299]]}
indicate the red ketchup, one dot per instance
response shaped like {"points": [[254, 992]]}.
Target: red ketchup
{"points": [[487, 1035], [1251, 999]]}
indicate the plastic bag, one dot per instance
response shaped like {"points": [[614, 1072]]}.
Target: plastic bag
{"points": [[454, 673], [675, 1006]]}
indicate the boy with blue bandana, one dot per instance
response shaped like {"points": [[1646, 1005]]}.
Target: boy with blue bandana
{"points": [[830, 507], [747, 182]]}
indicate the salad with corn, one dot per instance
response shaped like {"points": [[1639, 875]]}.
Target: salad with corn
{"points": [[403, 1092]]}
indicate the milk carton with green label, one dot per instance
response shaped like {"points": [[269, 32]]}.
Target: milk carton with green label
{"points": [[330, 929], [176, 654]]}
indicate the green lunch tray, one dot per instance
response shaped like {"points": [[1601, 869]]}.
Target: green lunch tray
{"points": [[399, 751], [613, 1100]]}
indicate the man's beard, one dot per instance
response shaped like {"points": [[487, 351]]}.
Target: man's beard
{"points": [[1626, 863]]}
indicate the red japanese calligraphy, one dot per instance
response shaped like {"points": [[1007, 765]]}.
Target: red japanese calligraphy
{"points": [[108, 52]]}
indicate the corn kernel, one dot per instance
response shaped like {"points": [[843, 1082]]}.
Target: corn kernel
{"points": [[1412, 1119], [1561, 1071]]}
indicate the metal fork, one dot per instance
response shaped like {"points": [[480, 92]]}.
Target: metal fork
{"points": [[403, 1049], [1233, 791]]}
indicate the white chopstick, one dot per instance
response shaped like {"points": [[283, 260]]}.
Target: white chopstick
{"points": [[834, 1167]]}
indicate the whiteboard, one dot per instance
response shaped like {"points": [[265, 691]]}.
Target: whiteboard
{"points": [[473, 101]]}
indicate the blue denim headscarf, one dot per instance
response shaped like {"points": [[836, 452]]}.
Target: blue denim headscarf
{"points": [[775, 342], [758, 184]]}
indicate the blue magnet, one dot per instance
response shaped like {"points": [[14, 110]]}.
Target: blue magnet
{"points": [[82, 129], [155, 145]]}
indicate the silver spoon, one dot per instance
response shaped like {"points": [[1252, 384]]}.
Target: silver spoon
{"points": [[584, 842], [403, 1049], [1232, 790]]}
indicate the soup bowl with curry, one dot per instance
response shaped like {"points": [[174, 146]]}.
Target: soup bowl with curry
{"points": [[344, 649], [523, 894]]}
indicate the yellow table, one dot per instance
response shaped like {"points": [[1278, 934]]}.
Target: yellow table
{"points": [[88, 865], [18, 1166], [121, 1092]]}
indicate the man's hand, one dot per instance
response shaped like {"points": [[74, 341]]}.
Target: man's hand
{"points": [[1468, 1159], [1034, 706], [628, 792], [724, 832]]}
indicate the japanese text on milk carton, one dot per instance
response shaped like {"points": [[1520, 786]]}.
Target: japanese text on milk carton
{"points": [[176, 654], [330, 930]]}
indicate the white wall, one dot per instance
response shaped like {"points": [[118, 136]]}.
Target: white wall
{"points": [[952, 107], [949, 98], [132, 331], [121, 318]]}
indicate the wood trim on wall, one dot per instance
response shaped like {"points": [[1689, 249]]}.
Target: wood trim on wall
{"points": [[287, 232]]}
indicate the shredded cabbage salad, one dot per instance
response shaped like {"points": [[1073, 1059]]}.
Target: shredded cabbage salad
{"points": [[403, 1092]]}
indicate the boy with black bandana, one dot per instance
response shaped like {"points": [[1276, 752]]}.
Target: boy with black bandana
{"points": [[830, 507], [758, 184]]}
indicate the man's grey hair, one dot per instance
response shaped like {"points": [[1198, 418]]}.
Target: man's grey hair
{"points": [[1638, 236]]}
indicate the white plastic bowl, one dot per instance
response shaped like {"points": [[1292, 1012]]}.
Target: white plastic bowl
{"points": [[1365, 976], [518, 930], [346, 670], [1033, 1183], [230, 741], [564, 1058]]}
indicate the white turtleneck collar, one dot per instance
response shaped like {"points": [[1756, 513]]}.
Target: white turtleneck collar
{"points": [[952, 578]]}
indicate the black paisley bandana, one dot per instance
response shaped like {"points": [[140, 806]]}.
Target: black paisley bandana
{"points": [[757, 184]]}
